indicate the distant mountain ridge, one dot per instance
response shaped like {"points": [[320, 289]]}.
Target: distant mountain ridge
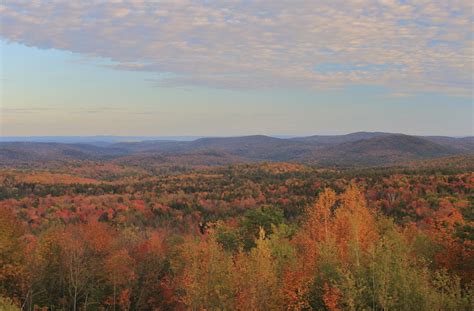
{"points": [[361, 148], [383, 149], [339, 139]]}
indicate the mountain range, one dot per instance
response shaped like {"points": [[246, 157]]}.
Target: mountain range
{"points": [[355, 149]]}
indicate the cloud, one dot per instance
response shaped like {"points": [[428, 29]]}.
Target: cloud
{"points": [[24, 110], [80, 110], [410, 46], [395, 94]]}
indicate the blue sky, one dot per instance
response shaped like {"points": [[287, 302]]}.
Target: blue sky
{"points": [[213, 69]]}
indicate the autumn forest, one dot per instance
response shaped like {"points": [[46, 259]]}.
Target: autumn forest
{"points": [[87, 235], [236, 155]]}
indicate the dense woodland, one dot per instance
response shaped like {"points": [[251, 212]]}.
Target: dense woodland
{"points": [[265, 236]]}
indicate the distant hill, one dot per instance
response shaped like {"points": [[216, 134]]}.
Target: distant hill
{"points": [[33, 151], [93, 140], [207, 157], [326, 140], [461, 144], [385, 149], [151, 146], [457, 162], [256, 147], [355, 149]]}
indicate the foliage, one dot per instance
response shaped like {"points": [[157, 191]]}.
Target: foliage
{"points": [[240, 237]]}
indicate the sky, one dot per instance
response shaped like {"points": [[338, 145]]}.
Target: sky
{"points": [[226, 68]]}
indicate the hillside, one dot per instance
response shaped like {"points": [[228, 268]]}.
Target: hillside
{"points": [[256, 147], [356, 149], [463, 144], [328, 140], [386, 149], [34, 151]]}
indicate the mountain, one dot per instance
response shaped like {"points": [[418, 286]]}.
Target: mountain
{"points": [[327, 140], [92, 140], [257, 147], [207, 157], [33, 151], [151, 146], [356, 149], [379, 150], [463, 144]]}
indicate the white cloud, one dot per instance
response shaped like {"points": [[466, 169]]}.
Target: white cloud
{"points": [[406, 45]]}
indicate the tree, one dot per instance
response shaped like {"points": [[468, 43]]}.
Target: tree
{"points": [[257, 284], [206, 275], [354, 225], [262, 217], [13, 272], [7, 304], [119, 266]]}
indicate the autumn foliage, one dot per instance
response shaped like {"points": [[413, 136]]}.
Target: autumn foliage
{"points": [[245, 237]]}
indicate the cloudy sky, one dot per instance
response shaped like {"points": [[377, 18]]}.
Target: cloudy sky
{"points": [[236, 67]]}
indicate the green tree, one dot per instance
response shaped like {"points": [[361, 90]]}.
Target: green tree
{"points": [[262, 217]]}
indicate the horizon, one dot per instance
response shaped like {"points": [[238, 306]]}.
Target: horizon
{"points": [[196, 68], [183, 138]]}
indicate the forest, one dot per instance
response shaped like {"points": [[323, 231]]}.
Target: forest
{"points": [[270, 155], [263, 236]]}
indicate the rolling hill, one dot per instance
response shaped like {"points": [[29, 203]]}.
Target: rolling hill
{"points": [[379, 150], [355, 149], [330, 140]]}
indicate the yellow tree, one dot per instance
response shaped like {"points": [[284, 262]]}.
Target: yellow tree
{"points": [[13, 274], [206, 275], [256, 278], [354, 225]]}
